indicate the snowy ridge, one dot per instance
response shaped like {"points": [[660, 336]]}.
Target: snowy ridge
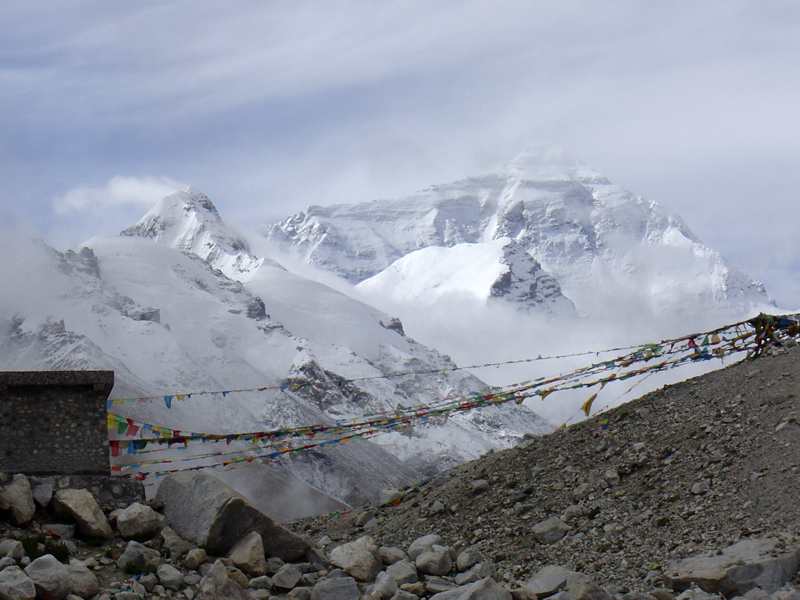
{"points": [[595, 239], [169, 321], [188, 221]]}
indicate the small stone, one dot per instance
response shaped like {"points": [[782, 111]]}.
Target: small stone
{"points": [[287, 577], [423, 544], [436, 561], [403, 572], [480, 485], [390, 555], [550, 530], [248, 555], [50, 577], [359, 559], [701, 487], [194, 558], [340, 588]]}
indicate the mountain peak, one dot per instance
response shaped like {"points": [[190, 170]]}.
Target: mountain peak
{"points": [[188, 221]]}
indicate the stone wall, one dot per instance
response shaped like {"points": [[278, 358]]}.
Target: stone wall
{"points": [[54, 422]]}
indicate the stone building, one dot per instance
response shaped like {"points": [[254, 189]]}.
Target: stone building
{"points": [[54, 422]]}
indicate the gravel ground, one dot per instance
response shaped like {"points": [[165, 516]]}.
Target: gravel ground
{"points": [[690, 468]]}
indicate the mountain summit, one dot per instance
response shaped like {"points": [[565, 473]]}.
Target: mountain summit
{"points": [[189, 221], [606, 249]]}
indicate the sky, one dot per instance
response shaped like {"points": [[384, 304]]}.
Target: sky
{"points": [[269, 107]]}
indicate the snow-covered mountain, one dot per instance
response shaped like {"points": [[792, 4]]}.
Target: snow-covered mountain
{"points": [[595, 242], [177, 304]]}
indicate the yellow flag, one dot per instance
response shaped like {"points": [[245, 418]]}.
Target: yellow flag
{"points": [[562, 426], [587, 406]]}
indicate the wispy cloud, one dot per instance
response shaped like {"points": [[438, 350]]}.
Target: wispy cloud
{"points": [[139, 192]]}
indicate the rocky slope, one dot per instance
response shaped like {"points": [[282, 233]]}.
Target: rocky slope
{"points": [[688, 469], [687, 494]]}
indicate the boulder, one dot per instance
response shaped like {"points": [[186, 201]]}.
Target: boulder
{"points": [[170, 577], [738, 569], [358, 559], [423, 544], [403, 572], [16, 585], [84, 582], [384, 588], [50, 577], [12, 549], [550, 530], [548, 581], [91, 521], [485, 589], [175, 545], [287, 577], [216, 585], [436, 561], [138, 521], [339, 588], [248, 555], [42, 490], [138, 556], [209, 513], [194, 558], [390, 555], [16, 497]]}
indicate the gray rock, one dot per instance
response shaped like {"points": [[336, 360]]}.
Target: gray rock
{"points": [[740, 568], [139, 556], [287, 577], [16, 496], [548, 581], [340, 588], [84, 582], [170, 577], [550, 530], [403, 572], [174, 544], [698, 594], [701, 487], [390, 555], [359, 559], [191, 579], [468, 558], [384, 588], [138, 521], [50, 577], [248, 555], [149, 581], [572, 512], [91, 521], [485, 589], [476, 573], [404, 595], [209, 513], [194, 558], [12, 549], [6, 561], [423, 544], [260, 583], [480, 485], [299, 593], [42, 490], [217, 585], [434, 585], [16, 585], [436, 561]]}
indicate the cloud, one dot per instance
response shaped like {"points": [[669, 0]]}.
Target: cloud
{"points": [[139, 192]]}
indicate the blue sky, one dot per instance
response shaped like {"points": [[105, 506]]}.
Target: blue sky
{"points": [[271, 106]]}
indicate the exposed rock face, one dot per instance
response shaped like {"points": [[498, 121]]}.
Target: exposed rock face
{"points": [[208, 513]]}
